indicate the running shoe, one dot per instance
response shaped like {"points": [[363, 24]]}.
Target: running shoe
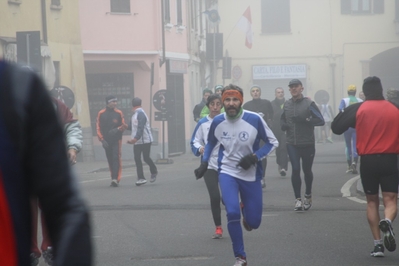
{"points": [[240, 261], [48, 256], [263, 183], [218, 233], [114, 183], [153, 177], [354, 171], [330, 140], [378, 251], [298, 205], [349, 170], [283, 172], [34, 259], [389, 236], [307, 202], [244, 223], [141, 181]]}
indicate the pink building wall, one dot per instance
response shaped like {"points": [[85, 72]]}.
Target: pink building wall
{"points": [[129, 43]]}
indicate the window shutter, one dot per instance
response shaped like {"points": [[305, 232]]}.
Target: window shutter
{"points": [[345, 6], [378, 6]]}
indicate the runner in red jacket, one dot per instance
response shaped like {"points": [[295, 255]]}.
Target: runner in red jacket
{"points": [[377, 125]]}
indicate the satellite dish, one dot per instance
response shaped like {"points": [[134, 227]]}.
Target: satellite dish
{"points": [[64, 94]]}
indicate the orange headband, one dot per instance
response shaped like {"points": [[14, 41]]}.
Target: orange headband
{"points": [[232, 93]]}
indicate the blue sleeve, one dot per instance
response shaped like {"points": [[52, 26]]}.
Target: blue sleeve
{"points": [[142, 120], [265, 134], [197, 139], [341, 105], [317, 119]]}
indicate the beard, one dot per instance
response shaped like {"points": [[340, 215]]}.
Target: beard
{"points": [[232, 111]]}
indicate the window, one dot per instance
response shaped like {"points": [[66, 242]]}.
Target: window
{"points": [[179, 13], [120, 6], [166, 11], [275, 16], [362, 6], [55, 2]]}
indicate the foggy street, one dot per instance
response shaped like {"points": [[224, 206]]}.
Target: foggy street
{"points": [[169, 222]]}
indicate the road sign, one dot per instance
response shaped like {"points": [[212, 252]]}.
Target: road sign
{"points": [[237, 72]]}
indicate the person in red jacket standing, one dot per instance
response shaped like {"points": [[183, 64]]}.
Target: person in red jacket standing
{"points": [[378, 147], [110, 126]]}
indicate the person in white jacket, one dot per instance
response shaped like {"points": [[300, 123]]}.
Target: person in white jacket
{"points": [[198, 142], [142, 139]]}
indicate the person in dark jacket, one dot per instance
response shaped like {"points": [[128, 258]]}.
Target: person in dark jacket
{"points": [[281, 150], [264, 108], [300, 116], [34, 163], [198, 108], [377, 124], [110, 126]]}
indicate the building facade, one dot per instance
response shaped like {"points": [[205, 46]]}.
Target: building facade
{"points": [[327, 44], [145, 49], [45, 34]]}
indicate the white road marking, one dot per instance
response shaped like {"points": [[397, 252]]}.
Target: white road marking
{"points": [[345, 190]]}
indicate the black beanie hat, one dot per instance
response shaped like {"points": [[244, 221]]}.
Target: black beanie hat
{"points": [[110, 98], [136, 102], [372, 88]]}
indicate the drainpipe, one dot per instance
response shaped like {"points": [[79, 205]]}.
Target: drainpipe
{"points": [[44, 21], [163, 35]]}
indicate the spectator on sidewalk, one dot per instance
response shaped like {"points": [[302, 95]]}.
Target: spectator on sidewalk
{"points": [[110, 126], [328, 116], [377, 124], [34, 163], [141, 138]]}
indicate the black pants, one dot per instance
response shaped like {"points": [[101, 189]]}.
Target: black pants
{"points": [[281, 151], [212, 183], [144, 149], [113, 153], [306, 153]]}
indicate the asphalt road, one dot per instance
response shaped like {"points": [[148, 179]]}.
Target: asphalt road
{"points": [[169, 222]]}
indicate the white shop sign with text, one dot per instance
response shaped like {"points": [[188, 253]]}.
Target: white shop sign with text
{"points": [[279, 71]]}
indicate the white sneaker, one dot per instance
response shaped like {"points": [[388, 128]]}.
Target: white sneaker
{"points": [[240, 261], [307, 202], [283, 172], [298, 205], [141, 182], [263, 183], [114, 183]]}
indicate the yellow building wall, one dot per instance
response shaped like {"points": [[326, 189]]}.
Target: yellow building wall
{"points": [[63, 39]]}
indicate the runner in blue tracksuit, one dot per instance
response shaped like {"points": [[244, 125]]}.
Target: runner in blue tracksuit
{"points": [[239, 162]]}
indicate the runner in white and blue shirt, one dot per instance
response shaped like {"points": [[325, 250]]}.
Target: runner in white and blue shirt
{"points": [[239, 163], [198, 142]]}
